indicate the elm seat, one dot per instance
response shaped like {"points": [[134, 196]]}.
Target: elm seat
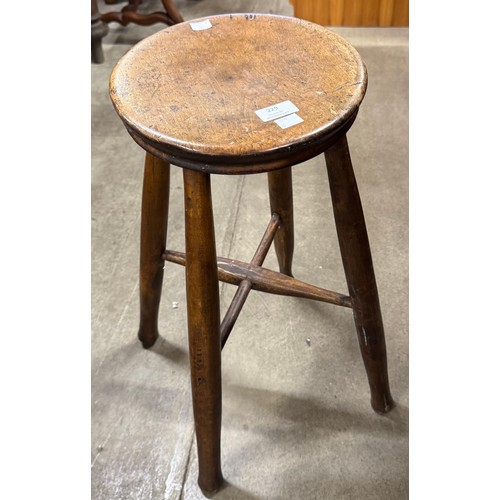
{"points": [[188, 97], [192, 94]]}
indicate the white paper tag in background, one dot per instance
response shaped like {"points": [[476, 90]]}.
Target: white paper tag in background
{"points": [[289, 121], [201, 25], [276, 111]]}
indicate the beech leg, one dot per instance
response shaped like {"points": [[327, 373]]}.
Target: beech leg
{"points": [[202, 291], [281, 201], [358, 267], [98, 31], [154, 218], [172, 11]]}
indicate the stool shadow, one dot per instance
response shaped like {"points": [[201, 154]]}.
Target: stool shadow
{"points": [[127, 353], [309, 413], [169, 351], [231, 492]]}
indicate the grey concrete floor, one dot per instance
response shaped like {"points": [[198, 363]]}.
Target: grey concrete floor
{"points": [[297, 421]]}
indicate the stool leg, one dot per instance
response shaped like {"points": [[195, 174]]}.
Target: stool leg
{"points": [[358, 267], [154, 217], [281, 199], [202, 290], [98, 31], [172, 11]]}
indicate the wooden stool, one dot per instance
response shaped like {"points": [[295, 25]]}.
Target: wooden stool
{"points": [[189, 95]]}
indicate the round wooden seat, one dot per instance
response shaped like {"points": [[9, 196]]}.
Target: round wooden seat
{"points": [[190, 96]]}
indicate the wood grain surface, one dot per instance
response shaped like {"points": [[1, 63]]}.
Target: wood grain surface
{"points": [[203, 313], [154, 223], [353, 12], [360, 276], [193, 94]]}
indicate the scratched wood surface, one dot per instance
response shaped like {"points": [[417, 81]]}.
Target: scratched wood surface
{"points": [[196, 92]]}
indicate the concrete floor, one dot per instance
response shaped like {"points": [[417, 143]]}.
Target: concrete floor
{"points": [[297, 421]]}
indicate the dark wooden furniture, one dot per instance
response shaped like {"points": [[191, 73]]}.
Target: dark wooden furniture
{"points": [[98, 31], [189, 98], [128, 14]]}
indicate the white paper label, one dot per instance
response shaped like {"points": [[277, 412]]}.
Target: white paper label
{"points": [[276, 111], [201, 25], [289, 121]]}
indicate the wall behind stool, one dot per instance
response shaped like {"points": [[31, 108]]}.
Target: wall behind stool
{"points": [[353, 12]]}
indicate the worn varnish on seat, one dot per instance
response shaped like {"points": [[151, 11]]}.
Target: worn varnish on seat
{"points": [[192, 95], [189, 98]]}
